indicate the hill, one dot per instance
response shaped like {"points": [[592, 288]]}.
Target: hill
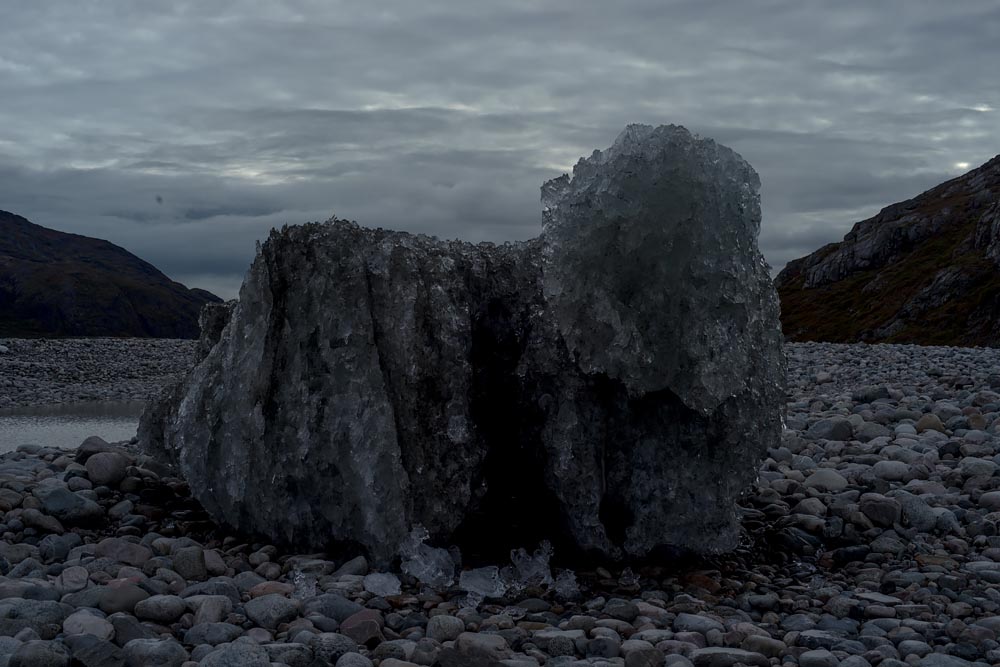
{"points": [[58, 284], [925, 271]]}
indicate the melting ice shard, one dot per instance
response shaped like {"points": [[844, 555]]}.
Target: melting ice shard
{"points": [[482, 583], [619, 376], [533, 569], [428, 565]]}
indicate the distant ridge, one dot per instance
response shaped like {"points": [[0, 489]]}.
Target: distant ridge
{"points": [[924, 271], [58, 284]]}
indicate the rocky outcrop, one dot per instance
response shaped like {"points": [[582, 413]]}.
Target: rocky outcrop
{"points": [[922, 271], [58, 284], [611, 384]]}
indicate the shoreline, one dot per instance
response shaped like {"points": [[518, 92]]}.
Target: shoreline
{"points": [[52, 371]]}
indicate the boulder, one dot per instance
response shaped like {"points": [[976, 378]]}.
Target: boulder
{"points": [[611, 384]]}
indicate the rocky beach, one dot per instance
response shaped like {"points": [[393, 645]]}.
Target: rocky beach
{"points": [[531, 334], [870, 539]]}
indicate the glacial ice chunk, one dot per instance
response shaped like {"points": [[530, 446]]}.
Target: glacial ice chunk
{"points": [[533, 569], [633, 351], [304, 585], [628, 578], [429, 565], [566, 585], [483, 582]]}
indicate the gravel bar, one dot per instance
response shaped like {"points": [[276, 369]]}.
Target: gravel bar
{"points": [[48, 371]]}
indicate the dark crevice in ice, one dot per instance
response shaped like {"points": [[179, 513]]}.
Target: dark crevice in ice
{"points": [[517, 509]]}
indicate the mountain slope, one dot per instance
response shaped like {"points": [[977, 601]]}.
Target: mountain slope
{"points": [[926, 271], [58, 284]]}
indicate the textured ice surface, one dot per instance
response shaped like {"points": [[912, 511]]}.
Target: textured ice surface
{"points": [[566, 585], [533, 569], [624, 369], [428, 565], [525, 571], [674, 221], [382, 584], [483, 582], [304, 585]]}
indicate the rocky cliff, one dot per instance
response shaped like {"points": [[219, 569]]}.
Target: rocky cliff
{"points": [[58, 284], [923, 271], [610, 385]]}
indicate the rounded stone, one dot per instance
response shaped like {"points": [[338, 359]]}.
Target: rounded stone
{"points": [[560, 645], [929, 422], [444, 628], [73, 579], [623, 610], [123, 551], [212, 634], [893, 471], [685, 622], [154, 653], [364, 626], [270, 611], [106, 468], [161, 608], [990, 501], [831, 428], [189, 562], [721, 656], [974, 467], [85, 623], [330, 646], [826, 479], [881, 510], [121, 598], [818, 658], [603, 647]]}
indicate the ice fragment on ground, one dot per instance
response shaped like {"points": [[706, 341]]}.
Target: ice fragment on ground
{"points": [[628, 578], [483, 581], [510, 579], [533, 569], [382, 584], [428, 565], [566, 585], [305, 585], [470, 601]]}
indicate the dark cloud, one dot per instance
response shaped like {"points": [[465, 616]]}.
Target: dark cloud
{"points": [[184, 131]]}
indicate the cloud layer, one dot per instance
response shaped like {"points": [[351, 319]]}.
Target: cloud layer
{"points": [[184, 131]]}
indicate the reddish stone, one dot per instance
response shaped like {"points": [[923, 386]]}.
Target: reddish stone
{"points": [[271, 587], [364, 626]]}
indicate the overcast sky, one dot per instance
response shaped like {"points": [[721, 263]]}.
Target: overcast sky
{"points": [[184, 131]]}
